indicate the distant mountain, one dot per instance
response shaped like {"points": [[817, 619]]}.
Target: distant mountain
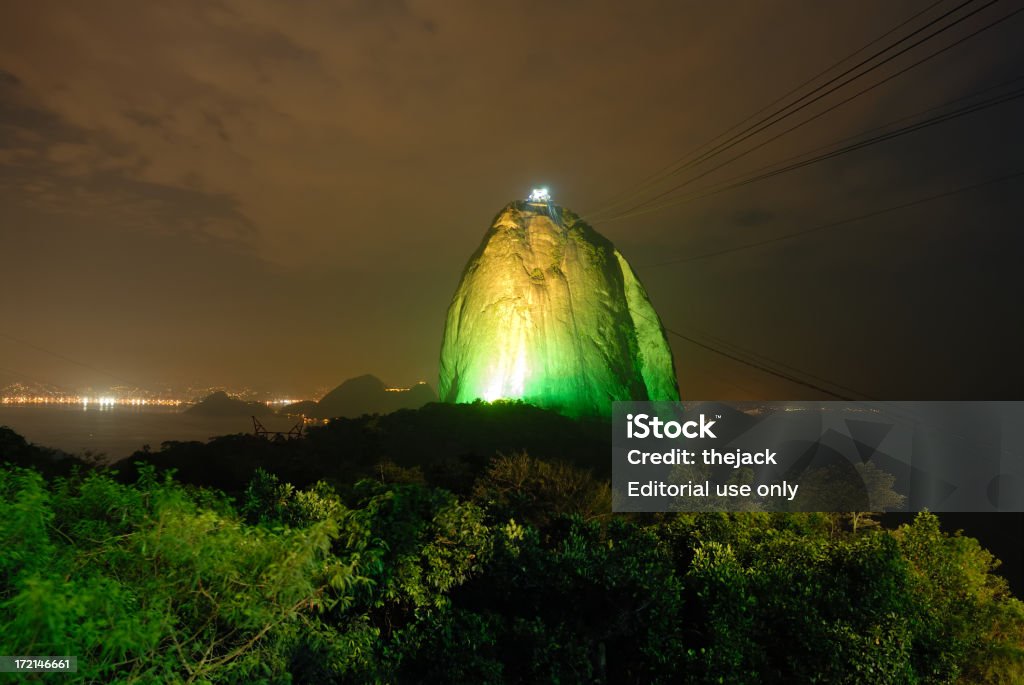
{"points": [[220, 404], [363, 395]]}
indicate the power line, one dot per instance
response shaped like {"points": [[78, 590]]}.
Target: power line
{"points": [[761, 362], [739, 354], [746, 133], [767, 121], [657, 176], [892, 407], [64, 358], [733, 384], [759, 367], [829, 109], [741, 360], [842, 222], [736, 349], [772, 170]]}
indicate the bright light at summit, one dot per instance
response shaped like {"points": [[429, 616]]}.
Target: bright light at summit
{"points": [[540, 195]]}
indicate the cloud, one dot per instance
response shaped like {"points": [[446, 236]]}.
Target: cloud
{"points": [[374, 140], [313, 117]]}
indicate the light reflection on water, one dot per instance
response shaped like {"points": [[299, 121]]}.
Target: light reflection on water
{"points": [[119, 430]]}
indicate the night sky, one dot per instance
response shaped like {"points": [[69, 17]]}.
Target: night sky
{"points": [[283, 195]]}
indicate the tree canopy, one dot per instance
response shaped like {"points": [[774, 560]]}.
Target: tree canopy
{"points": [[518, 575]]}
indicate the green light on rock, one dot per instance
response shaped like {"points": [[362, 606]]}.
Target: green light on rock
{"points": [[550, 313]]}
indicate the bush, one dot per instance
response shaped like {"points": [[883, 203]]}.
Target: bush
{"points": [[154, 581]]}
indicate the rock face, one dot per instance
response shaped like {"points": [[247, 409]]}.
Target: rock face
{"points": [[549, 312]]}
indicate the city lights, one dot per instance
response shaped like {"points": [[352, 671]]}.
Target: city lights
{"points": [[85, 400]]}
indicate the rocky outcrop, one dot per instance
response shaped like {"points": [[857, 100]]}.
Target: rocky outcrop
{"points": [[363, 395], [220, 404], [549, 312]]}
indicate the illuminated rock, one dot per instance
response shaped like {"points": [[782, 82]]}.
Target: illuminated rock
{"points": [[550, 313]]}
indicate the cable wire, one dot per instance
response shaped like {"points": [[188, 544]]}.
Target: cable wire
{"points": [[829, 109], [657, 176], [841, 222], [772, 170]]}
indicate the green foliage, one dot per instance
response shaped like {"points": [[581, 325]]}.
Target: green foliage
{"points": [[853, 494], [143, 584], [967, 624], [1000, 654], [587, 603], [391, 581], [267, 499], [536, 491]]}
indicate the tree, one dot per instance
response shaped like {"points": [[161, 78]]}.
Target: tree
{"points": [[536, 492]]}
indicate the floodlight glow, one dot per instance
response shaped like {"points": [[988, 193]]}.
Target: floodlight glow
{"points": [[540, 195], [549, 312]]}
